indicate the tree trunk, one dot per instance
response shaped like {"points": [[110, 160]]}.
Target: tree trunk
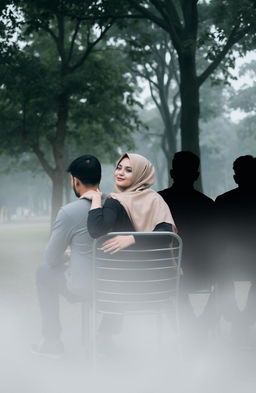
{"points": [[189, 94], [169, 144], [67, 189], [169, 149], [59, 156], [57, 194]]}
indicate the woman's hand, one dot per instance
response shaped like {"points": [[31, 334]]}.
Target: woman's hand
{"points": [[118, 243], [94, 196]]}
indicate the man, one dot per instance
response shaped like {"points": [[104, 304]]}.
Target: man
{"points": [[55, 277], [236, 214], [192, 212]]}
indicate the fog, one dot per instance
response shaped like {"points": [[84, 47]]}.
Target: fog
{"points": [[142, 362], [26, 196]]}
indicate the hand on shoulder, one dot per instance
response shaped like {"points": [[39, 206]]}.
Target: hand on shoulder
{"points": [[91, 194]]}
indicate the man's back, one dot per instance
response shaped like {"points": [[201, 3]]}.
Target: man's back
{"points": [[236, 209], [236, 215], [189, 207], [193, 215], [70, 229]]}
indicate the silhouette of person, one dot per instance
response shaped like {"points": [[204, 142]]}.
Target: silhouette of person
{"points": [[236, 214], [192, 212]]}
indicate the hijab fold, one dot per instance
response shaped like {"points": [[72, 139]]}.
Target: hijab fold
{"points": [[144, 206]]}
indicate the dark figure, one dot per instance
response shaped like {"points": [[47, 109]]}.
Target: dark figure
{"points": [[61, 275], [192, 212], [236, 215]]}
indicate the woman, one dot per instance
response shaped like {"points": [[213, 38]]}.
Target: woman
{"points": [[133, 207]]}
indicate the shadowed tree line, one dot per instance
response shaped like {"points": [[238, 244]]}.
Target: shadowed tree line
{"points": [[70, 70]]}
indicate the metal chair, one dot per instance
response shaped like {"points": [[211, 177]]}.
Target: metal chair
{"points": [[142, 279]]}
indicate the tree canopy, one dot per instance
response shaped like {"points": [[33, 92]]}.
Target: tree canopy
{"points": [[65, 83]]}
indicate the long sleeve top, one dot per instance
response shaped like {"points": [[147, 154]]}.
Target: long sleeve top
{"points": [[112, 217]]}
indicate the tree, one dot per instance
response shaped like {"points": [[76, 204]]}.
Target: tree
{"points": [[211, 29], [244, 100], [60, 88], [218, 139], [152, 58]]}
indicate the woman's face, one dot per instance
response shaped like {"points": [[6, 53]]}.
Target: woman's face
{"points": [[123, 173]]}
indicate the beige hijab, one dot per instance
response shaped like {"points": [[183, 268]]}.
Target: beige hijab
{"points": [[145, 207]]}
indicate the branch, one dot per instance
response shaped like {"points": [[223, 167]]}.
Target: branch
{"points": [[172, 71], [34, 146], [154, 98], [144, 75], [61, 38], [51, 32], [160, 78], [57, 39], [176, 124], [189, 9], [161, 9], [90, 48], [174, 23], [174, 67], [154, 134], [164, 143], [73, 41], [168, 82], [159, 55], [170, 21], [43, 161], [233, 38], [148, 14], [107, 17], [176, 108]]}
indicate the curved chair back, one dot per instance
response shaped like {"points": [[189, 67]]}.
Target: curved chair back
{"points": [[141, 278]]}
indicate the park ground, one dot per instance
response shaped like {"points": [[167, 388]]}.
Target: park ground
{"points": [[217, 366]]}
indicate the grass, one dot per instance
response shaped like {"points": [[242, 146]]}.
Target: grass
{"points": [[21, 250]]}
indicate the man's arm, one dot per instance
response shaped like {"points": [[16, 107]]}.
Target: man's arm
{"points": [[59, 240]]}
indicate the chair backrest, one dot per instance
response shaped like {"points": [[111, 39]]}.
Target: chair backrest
{"points": [[141, 278]]}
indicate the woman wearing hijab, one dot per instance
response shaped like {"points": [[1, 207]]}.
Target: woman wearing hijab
{"points": [[133, 207]]}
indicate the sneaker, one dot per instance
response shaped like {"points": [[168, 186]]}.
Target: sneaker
{"points": [[50, 349]]}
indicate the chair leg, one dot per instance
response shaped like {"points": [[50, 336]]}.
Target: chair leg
{"points": [[159, 324], [89, 332], [85, 324]]}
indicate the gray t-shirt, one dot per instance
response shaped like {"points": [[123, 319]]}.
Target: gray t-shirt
{"points": [[70, 229]]}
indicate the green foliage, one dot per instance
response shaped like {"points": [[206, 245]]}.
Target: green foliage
{"points": [[245, 98], [102, 110]]}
